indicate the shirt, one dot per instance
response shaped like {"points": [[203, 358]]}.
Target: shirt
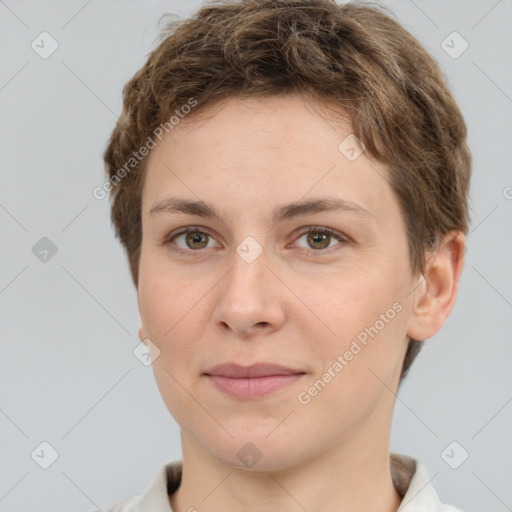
{"points": [[409, 476]]}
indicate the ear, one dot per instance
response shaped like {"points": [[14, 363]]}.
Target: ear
{"points": [[437, 290]]}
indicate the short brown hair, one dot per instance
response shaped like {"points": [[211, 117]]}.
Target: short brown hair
{"points": [[353, 56]]}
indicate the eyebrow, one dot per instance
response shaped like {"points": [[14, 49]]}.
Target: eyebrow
{"points": [[282, 212]]}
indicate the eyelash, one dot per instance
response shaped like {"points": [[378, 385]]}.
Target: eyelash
{"points": [[309, 252]]}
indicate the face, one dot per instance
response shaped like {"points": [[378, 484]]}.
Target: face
{"points": [[321, 291]]}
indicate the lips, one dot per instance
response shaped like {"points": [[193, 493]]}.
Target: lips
{"points": [[253, 371], [252, 382]]}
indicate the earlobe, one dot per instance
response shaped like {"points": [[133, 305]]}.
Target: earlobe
{"points": [[436, 294]]}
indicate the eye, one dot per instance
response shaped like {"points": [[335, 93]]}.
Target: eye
{"points": [[320, 239], [194, 238]]}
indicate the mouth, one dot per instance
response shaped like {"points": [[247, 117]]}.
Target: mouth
{"points": [[255, 381]]}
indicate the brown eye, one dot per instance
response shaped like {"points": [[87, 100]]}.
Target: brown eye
{"points": [[196, 239], [189, 241], [319, 240]]}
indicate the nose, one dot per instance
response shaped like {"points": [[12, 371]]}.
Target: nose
{"points": [[249, 298]]}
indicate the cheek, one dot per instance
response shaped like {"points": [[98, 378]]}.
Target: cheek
{"points": [[354, 301], [350, 382], [162, 300], [171, 313], [155, 306], [166, 324], [363, 321]]}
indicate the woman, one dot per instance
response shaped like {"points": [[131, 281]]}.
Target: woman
{"points": [[289, 180]]}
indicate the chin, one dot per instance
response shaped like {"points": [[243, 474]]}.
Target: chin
{"points": [[255, 453]]}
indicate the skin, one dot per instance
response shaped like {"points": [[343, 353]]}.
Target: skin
{"points": [[300, 310]]}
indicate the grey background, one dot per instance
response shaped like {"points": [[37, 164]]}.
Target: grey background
{"points": [[69, 326]]}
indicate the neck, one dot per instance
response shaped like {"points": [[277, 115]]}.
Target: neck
{"points": [[353, 476]]}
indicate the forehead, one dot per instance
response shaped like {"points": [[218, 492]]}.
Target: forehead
{"points": [[254, 154]]}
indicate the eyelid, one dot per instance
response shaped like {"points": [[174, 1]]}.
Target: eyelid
{"points": [[340, 237], [187, 229], [168, 239]]}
